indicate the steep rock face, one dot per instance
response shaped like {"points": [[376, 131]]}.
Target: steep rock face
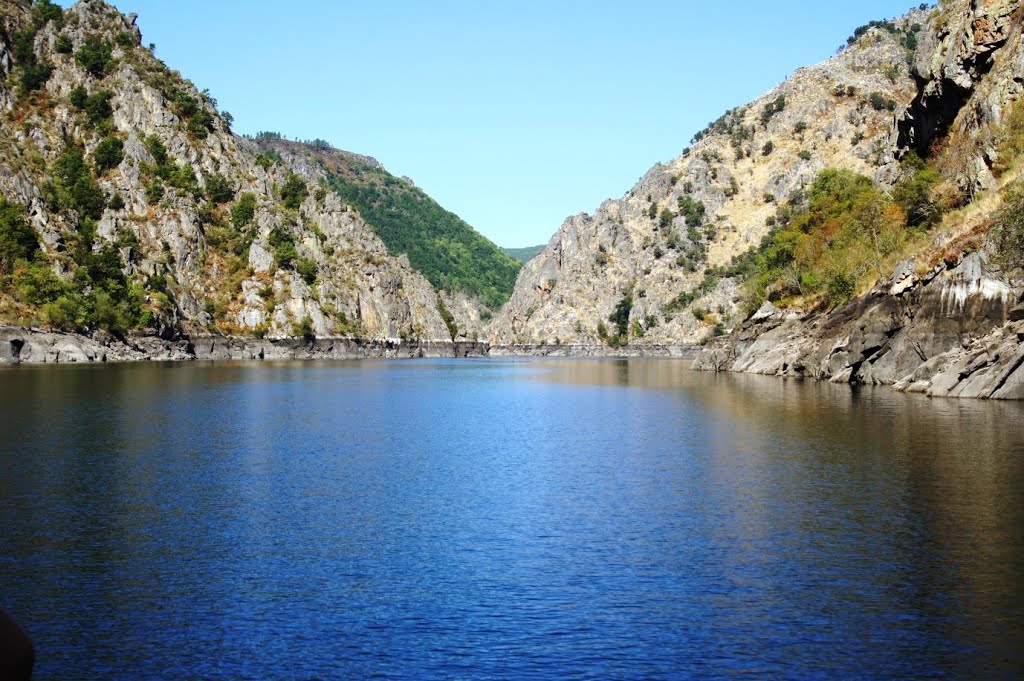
{"points": [[712, 202], [955, 329], [903, 332], [967, 70], [203, 268]]}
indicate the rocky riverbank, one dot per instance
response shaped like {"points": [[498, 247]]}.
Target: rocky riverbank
{"points": [[35, 346], [956, 331], [566, 350]]}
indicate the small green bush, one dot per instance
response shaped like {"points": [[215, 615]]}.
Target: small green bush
{"points": [[108, 154], [45, 10], [95, 56], [18, 241], [307, 269], [63, 44], [244, 210], [665, 218], [880, 102], [218, 189], [283, 248], [771, 108], [34, 76], [293, 191], [154, 191], [304, 328]]}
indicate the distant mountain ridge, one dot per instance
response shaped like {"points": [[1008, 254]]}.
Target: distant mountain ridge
{"points": [[525, 254]]}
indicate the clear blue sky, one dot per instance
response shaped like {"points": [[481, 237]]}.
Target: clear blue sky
{"points": [[512, 114]]}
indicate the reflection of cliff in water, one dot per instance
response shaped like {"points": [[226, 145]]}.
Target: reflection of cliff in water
{"points": [[942, 474]]}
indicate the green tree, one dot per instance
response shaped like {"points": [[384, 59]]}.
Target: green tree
{"points": [[244, 210], [218, 189], [283, 248], [620, 316], [18, 241], [95, 56], [293, 191], [108, 154]]}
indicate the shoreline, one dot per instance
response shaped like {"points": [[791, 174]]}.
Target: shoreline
{"points": [[21, 345]]}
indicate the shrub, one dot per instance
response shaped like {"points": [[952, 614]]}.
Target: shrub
{"points": [[914, 193], [78, 96], [307, 269], [75, 185], [448, 318], [244, 210], [771, 108], [620, 316], [45, 10], [182, 177], [665, 218], [218, 189], [1008, 234], [18, 241], [157, 150], [96, 107], [95, 56], [63, 44], [200, 124], [34, 76], [880, 102], [691, 210], [154, 191], [108, 154], [293, 191], [283, 248], [768, 148], [125, 39], [304, 328]]}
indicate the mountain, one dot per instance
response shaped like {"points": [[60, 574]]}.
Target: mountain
{"points": [[891, 167], [129, 207], [439, 244], [525, 254]]}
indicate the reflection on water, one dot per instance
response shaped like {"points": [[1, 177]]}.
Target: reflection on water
{"points": [[505, 518]]}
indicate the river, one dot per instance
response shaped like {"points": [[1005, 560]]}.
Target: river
{"points": [[488, 518]]}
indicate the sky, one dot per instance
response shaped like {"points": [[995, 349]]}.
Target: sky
{"points": [[514, 115]]}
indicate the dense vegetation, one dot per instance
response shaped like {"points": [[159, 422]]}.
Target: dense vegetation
{"points": [[97, 294], [525, 254], [829, 242], [439, 244]]}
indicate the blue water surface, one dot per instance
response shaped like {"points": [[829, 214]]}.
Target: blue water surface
{"points": [[505, 519]]}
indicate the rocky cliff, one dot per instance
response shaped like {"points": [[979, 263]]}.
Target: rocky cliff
{"points": [[152, 218], [713, 201], [946, 322], [660, 266]]}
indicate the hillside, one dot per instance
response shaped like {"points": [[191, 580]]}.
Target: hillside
{"points": [[129, 206], [921, 287], [525, 254], [652, 247], [439, 244], [881, 173]]}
